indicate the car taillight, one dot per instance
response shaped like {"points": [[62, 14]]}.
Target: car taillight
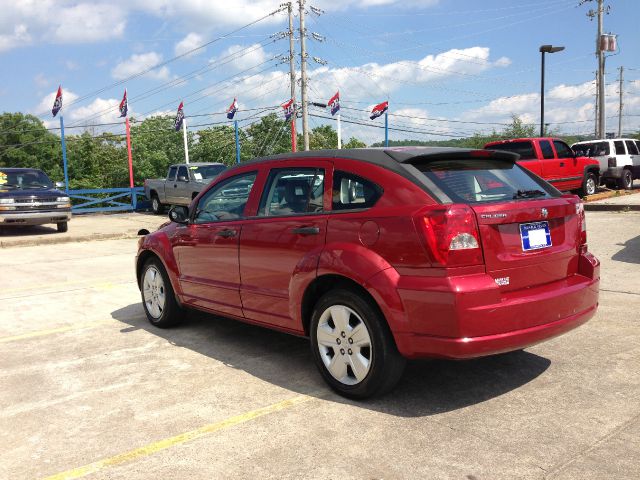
{"points": [[451, 235], [611, 162], [582, 221]]}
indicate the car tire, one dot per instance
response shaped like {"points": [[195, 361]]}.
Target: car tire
{"points": [[156, 206], [352, 345], [62, 226], [158, 297], [626, 180], [589, 185]]}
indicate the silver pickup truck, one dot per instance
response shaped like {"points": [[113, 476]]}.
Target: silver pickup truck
{"points": [[183, 183]]}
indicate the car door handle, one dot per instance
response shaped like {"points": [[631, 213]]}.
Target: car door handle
{"points": [[306, 230], [562, 164], [175, 185], [226, 233]]}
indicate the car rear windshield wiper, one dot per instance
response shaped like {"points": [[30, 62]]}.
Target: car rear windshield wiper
{"points": [[528, 194]]}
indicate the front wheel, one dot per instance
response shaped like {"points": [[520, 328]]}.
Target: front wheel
{"points": [[626, 181], [589, 184], [62, 226], [353, 347], [158, 298]]}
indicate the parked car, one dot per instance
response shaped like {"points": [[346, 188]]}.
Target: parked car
{"points": [[619, 159], [182, 184], [29, 197], [378, 255], [553, 160]]}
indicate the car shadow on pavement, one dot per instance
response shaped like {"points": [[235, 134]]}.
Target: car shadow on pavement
{"points": [[27, 231], [428, 387], [630, 251]]}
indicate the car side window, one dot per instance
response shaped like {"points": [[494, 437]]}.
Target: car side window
{"points": [[351, 192], [291, 191], [631, 147], [183, 174], [619, 144], [547, 151], [562, 149], [172, 173], [225, 201]]}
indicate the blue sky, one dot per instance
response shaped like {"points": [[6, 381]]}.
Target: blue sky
{"points": [[448, 68]]}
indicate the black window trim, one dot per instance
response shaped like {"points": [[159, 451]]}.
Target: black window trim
{"points": [[192, 215]]}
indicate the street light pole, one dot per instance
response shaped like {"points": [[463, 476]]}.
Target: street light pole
{"points": [[544, 49]]}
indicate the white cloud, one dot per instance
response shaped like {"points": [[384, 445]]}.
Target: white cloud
{"points": [[242, 58], [41, 80], [188, 43], [24, 22], [138, 63]]}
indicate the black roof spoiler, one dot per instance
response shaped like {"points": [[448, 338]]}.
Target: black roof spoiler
{"points": [[429, 154]]}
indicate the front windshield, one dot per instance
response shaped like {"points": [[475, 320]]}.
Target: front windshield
{"points": [[207, 172], [24, 179]]}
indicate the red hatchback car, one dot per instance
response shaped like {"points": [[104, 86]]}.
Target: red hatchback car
{"points": [[378, 255]]}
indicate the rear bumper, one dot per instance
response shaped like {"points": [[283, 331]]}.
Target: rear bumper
{"points": [[18, 218], [475, 319]]}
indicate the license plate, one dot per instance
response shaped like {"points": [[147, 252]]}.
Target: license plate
{"points": [[535, 236]]}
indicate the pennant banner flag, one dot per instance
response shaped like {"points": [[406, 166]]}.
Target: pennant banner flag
{"points": [[57, 104], [124, 106], [289, 109], [179, 117], [379, 110], [233, 108], [334, 103]]}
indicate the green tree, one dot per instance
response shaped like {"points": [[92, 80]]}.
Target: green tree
{"points": [[270, 136], [218, 144], [354, 143], [25, 142]]}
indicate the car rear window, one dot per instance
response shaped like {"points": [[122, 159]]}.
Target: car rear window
{"points": [[524, 149], [595, 149], [482, 180]]}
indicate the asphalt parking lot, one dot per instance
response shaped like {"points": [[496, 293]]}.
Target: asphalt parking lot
{"points": [[88, 388]]}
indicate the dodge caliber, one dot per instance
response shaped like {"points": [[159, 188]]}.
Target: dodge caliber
{"points": [[378, 256]]}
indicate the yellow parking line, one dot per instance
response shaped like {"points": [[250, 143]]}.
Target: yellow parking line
{"points": [[166, 443], [51, 331]]}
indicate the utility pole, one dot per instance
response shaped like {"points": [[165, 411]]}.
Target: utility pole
{"points": [[601, 85], [597, 117], [303, 73], [620, 108], [292, 72]]}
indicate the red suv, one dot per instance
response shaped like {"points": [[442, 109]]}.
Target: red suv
{"points": [[378, 255]]}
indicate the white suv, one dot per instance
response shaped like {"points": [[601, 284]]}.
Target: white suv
{"points": [[619, 159]]}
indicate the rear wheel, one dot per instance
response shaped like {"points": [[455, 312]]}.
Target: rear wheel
{"points": [[156, 206], [62, 226], [626, 180], [353, 347], [589, 184], [158, 297]]}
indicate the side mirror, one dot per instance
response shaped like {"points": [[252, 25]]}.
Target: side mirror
{"points": [[179, 214], [182, 178], [60, 185]]}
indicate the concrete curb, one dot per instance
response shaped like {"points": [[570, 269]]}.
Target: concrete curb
{"points": [[53, 240], [604, 207]]}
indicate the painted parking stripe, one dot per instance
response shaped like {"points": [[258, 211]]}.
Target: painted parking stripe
{"points": [[180, 439], [52, 331]]}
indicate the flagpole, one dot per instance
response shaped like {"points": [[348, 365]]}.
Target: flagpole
{"points": [[294, 137], [235, 125], [186, 146], [339, 133], [64, 155], [133, 195], [386, 129]]}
